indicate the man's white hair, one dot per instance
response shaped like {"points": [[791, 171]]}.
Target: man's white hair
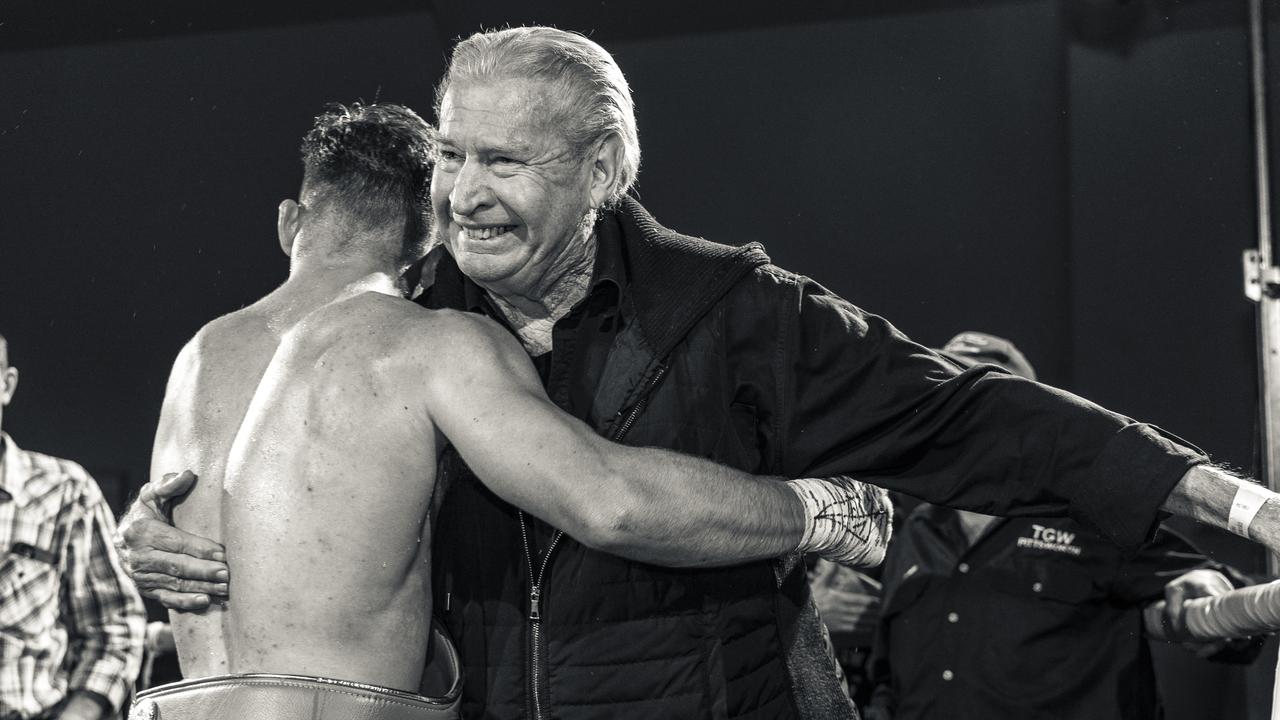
{"points": [[594, 99]]}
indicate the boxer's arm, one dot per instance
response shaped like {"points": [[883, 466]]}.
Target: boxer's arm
{"points": [[175, 568], [647, 504]]}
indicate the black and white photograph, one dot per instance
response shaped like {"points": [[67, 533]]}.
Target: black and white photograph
{"points": [[669, 360]]}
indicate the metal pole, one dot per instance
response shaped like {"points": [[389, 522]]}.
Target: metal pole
{"points": [[1262, 277]]}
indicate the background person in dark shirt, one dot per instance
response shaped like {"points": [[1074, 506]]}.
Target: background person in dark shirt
{"points": [[987, 617]]}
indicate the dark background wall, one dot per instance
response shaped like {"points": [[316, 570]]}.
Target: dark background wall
{"points": [[1075, 176]]}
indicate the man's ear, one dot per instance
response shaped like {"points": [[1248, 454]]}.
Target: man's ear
{"points": [[8, 384], [606, 169], [288, 221]]}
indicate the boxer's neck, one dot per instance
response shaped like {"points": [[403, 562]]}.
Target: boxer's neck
{"points": [[328, 263], [318, 280], [305, 292], [335, 282]]}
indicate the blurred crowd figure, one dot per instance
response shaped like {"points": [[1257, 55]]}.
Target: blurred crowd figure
{"points": [[983, 617], [71, 622]]}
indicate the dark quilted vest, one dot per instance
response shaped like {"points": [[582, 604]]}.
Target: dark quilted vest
{"points": [[621, 639]]}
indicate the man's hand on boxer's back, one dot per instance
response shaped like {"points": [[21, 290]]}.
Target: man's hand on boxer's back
{"points": [[179, 570]]}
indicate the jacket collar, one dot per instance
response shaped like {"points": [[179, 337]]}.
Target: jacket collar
{"points": [[674, 278]]}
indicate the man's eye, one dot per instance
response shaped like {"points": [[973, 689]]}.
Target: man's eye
{"points": [[449, 155], [504, 160]]}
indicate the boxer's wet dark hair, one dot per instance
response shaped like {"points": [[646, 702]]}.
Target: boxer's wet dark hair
{"points": [[372, 162]]}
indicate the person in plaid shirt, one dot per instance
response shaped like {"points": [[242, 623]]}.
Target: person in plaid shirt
{"points": [[71, 621]]}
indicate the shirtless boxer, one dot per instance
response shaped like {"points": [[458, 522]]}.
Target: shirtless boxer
{"points": [[319, 479], [358, 227]]}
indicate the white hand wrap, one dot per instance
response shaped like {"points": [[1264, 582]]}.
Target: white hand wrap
{"points": [[845, 521]]}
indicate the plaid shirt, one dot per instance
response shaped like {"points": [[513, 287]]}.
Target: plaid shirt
{"points": [[70, 619]]}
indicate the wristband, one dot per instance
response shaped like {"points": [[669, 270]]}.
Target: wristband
{"points": [[1248, 500], [845, 521]]}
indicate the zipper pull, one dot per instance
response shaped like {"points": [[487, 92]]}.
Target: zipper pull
{"points": [[535, 595]]}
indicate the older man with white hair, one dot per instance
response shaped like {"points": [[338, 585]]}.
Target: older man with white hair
{"points": [[655, 338]]}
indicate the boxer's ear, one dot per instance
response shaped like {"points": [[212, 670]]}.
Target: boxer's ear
{"points": [[288, 221]]}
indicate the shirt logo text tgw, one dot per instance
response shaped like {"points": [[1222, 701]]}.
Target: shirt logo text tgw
{"points": [[1047, 538]]}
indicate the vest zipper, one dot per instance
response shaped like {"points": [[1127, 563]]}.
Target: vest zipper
{"points": [[536, 668], [535, 614]]}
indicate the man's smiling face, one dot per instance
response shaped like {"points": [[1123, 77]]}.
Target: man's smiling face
{"points": [[509, 193]]}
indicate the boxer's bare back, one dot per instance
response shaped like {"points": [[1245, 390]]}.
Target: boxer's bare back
{"points": [[326, 501], [322, 493], [209, 390], [317, 483]]}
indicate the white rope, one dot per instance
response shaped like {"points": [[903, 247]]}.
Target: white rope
{"points": [[1252, 610]]}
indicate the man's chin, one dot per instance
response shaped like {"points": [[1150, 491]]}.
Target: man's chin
{"points": [[488, 270]]}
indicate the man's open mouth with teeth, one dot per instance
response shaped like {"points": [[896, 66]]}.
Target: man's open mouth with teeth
{"points": [[486, 233]]}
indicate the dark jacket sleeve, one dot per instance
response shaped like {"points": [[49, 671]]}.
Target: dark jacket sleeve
{"points": [[855, 396]]}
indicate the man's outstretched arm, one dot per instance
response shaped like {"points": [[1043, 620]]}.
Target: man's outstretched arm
{"points": [[1215, 496], [646, 504]]}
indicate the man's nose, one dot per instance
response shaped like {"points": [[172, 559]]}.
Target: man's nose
{"points": [[471, 190]]}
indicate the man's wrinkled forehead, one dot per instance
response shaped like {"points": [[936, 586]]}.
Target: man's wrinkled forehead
{"points": [[512, 113]]}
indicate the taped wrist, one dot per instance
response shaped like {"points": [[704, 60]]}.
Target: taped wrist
{"points": [[845, 521]]}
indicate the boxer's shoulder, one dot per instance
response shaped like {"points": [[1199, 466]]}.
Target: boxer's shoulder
{"points": [[233, 333], [396, 335], [414, 327], [357, 332], [246, 335], [372, 313]]}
